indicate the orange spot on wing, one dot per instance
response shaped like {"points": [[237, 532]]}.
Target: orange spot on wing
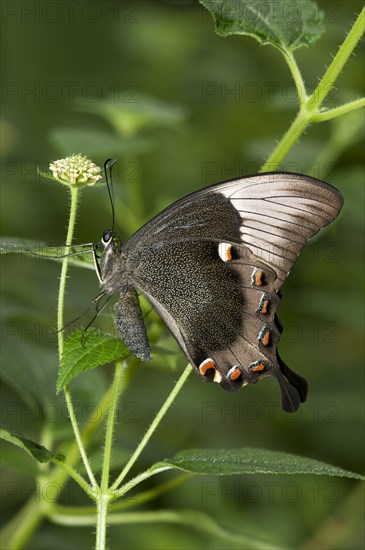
{"points": [[228, 253], [265, 338], [258, 368], [258, 276], [264, 304], [206, 365], [236, 373]]}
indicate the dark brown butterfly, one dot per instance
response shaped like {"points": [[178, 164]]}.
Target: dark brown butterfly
{"points": [[212, 264]]}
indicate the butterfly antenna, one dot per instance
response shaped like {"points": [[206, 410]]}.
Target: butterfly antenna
{"points": [[108, 166]]}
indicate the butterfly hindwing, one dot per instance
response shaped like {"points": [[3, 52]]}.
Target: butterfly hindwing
{"points": [[212, 265], [222, 313]]}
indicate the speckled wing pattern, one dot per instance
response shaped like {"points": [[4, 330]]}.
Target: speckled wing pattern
{"points": [[212, 264]]}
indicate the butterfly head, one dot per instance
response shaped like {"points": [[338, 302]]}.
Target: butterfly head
{"points": [[110, 239], [112, 265]]}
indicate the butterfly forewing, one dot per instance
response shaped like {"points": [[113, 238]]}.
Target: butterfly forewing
{"points": [[212, 265], [279, 213]]}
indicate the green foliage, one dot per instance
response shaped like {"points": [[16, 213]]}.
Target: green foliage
{"points": [[133, 111], [16, 246], [98, 142], [127, 116], [38, 452], [77, 254], [139, 132], [85, 351], [284, 24], [251, 461]]}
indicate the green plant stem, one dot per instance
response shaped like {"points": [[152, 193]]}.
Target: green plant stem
{"points": [[159, 416], [193, 519], [288, 140], [343, 134], [110, 425], [78, 437], [297, 76], [89, 430], [337, 64], [132, 502], [102, 511], [138, 479], [310, 107], [338, 111], [150, 494], [21, 527], [75, 476], [74, 191], [105, 495]]}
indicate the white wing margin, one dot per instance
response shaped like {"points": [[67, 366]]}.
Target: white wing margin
{"points": [[280, 212]]}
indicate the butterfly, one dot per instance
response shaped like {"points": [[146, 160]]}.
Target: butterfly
{"points": [[212, 264]]}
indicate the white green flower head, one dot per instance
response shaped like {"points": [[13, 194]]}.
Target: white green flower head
{"points": [[76, 170]]}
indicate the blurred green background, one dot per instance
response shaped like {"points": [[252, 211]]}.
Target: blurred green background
{"points": [[150, 84]]}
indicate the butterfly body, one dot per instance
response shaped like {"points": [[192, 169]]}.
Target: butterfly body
{"points": [[212, 264]]}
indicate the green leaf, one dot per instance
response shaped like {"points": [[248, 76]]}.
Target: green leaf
{"points": [[250, 461], [98, 143], [284, 24], [38, 249], [135, 111], [36, 451], [97, 349]]}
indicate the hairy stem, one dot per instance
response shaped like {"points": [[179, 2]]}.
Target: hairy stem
{"points": [[106, 495], [339, 111], [101, 524], [110, 425], [60, 323], [21, 527], [156, 421], [191, 519], [310, 106], [75, 476], [62, 288], [297, 76], [290, 137], [337, 64]]}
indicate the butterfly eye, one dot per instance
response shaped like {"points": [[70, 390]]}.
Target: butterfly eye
{"points": [[107, 236]]}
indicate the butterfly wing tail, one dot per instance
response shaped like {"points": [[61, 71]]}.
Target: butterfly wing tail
{"points": [[294, 388]]}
